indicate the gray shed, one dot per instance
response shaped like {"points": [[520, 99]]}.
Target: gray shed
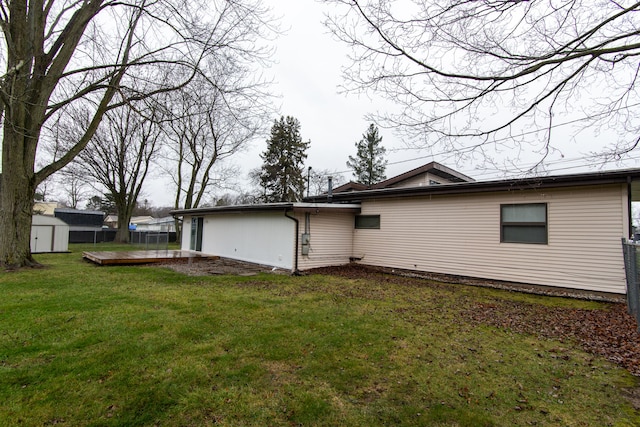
{"points": [[49, 234]]}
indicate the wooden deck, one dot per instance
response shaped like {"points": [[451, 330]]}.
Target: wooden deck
{"points": [[143, 257]]}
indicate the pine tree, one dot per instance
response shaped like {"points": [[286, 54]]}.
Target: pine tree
{"points": [[369, 164], [282, 174]]}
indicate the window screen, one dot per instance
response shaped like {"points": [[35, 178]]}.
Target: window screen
{"points": [[523, 223]]}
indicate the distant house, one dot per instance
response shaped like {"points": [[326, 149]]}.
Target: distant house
{"points": [[111, 221], [139, 221], [44, 208], [84, 226], [160, 225], [436, 220]]}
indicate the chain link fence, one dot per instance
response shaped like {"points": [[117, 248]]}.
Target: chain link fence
{"points": [[631, 268], [150, 240]]}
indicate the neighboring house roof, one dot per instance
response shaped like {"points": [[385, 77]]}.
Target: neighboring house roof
{"points": [[269, 207], [111, 218], [433, 168], [163, 220], [594, 178], [79, 217], [143, 219]]}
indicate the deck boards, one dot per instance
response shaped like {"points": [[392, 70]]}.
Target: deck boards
{"points": [[142, 257]]}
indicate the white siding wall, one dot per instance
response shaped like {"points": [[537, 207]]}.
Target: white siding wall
{"points": [[331, 239], [461, 235], [262, 238], [185, 243]]}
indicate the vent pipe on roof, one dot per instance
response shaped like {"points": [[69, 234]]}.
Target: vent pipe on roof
{"points": [[330, 192]]}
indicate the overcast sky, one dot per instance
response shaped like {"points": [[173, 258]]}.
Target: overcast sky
{"points": [[307, 76]]}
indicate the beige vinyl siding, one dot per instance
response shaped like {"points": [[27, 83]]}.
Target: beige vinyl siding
{"points": [[460, 235], [331, 239], [420, 181]]}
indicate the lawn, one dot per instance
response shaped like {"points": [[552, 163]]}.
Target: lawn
{"points": [[82, 345]]}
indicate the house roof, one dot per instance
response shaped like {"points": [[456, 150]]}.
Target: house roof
{"points": [[269, 207], [79, 217], [142, 219], [434, 168], [350, 186], [631, 176]]}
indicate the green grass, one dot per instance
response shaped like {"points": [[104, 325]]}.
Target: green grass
{"points": [[82, 345]]}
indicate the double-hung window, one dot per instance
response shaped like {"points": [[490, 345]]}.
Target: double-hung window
{"points": [[523, 223]]}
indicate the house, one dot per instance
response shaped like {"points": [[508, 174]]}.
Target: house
{"points": [[84, 226], [560, 231], [111, 221], [140, 221], [160, 225], [44, 208], [269, 234], [49, 234]]}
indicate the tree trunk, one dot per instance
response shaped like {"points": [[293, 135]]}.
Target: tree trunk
{"points": [[122, 235], [16, 205]]}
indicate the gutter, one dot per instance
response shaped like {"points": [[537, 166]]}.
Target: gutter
{"points": [[296, 272]]}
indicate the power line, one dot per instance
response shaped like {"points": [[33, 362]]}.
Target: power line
{"points": [[496, 171]]}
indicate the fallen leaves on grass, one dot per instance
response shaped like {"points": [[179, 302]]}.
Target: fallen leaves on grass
{"points": [[609, 332]]}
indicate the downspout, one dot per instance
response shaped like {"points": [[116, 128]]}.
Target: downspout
{"points": [[629, 209], [296, 272]]}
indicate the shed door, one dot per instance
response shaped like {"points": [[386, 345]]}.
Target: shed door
{"points": [[41, 238]]}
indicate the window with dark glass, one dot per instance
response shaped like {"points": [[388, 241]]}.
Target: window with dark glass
{"points": [[368, 221], [523, 223]]}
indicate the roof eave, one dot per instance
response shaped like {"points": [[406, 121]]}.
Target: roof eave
{"points": [[275, 207], [600, 178]]}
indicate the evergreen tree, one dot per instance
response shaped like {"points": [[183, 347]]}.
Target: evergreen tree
{"points": [[369, 164], [282, 175]]}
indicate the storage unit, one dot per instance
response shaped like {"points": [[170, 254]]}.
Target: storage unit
{"points": [[49, 234]]}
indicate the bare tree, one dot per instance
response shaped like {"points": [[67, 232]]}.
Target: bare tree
{"points": [[208, 124], [319, 180], [58, 54], [120, 155], [73, 186], [470, 76]]}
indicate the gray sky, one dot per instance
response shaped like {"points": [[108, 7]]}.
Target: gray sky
{"points": [[307, 75]]}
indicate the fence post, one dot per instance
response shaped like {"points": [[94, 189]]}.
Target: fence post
{"points": [[633, 284]]}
